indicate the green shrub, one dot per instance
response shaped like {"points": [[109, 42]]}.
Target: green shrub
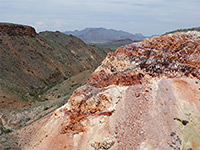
{"points": [[7, 131], [27, 119], [45, 108], [65, 78]]}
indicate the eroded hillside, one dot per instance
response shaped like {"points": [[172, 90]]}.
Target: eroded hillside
{"points": [[32, 65], [144, 96]]}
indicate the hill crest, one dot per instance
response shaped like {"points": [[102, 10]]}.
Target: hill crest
{"points": [[16, 29]]}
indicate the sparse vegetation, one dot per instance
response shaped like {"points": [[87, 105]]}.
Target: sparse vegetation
{"points": [[35, 74], [7, 131], [74, 85], [27, 119], [46, 89], [46, 108], [184, 30]]}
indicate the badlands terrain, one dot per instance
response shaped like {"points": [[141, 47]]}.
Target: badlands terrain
{"points": [[38, 73], [145, 95]]}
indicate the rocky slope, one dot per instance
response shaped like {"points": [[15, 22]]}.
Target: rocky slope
{"points": [[14, 29], [31, 64], [144, 96]]}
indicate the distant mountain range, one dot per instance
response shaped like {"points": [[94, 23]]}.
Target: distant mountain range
{"points": [[103, 35]]}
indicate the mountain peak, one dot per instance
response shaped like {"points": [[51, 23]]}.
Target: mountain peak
{"points": [[103, 35]]}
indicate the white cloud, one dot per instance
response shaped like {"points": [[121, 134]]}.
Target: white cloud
{"points": [[59, 24], [39, 25]]}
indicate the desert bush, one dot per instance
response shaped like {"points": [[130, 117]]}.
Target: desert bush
{"points": [[27, 119], [45, 108], [7, 131]]}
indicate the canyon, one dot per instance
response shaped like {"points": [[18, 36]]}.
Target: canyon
{"points": [[38, 73]]}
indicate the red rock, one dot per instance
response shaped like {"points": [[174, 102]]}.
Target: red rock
{"points": [[107, 112]]}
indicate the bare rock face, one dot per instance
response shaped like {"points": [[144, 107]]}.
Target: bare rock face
{"points": [[144, 96], [14, 29]]}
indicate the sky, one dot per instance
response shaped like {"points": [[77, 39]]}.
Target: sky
{"points": [[149, 17]]}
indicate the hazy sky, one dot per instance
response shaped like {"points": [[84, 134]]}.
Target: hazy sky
{"points": [[136, 16]]}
